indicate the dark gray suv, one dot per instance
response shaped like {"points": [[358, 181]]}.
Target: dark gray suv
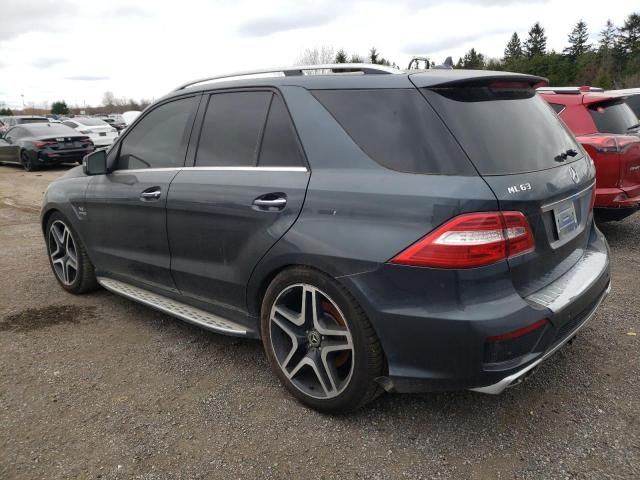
{"points": [[377, 229]]}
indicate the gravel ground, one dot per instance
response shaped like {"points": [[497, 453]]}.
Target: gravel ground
{"points": [[97, 386]]}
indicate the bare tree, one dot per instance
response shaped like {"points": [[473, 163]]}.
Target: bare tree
{"points": [[316, 55]]}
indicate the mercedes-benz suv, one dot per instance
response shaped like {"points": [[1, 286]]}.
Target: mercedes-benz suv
{"points": [[376, 229]]}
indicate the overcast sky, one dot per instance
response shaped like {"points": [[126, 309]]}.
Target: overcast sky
{"points": [[77, 49]]}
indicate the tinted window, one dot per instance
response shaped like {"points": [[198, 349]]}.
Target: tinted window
{"points": [[70, 124], [397, 129], [279, 143], [232, 129], [16, 133], [504, 129], [92, 122], [33, 120], [160, 139], [634, 102], [557, 107], [613, 116]]}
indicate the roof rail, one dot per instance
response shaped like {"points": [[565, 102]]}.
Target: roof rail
{"points": [[366, 68], [570, 90]]}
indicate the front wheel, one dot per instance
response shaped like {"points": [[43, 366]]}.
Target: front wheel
{"points": [[67, 256], [319, 341]]}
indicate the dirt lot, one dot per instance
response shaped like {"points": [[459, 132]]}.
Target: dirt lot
{"points": [[99, 387]]}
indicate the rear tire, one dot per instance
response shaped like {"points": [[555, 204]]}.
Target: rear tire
{"points": [[329, 361], [27, 162], [68, 257]]}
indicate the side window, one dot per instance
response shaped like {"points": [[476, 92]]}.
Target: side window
{"points": [[232, 129], [279, 144], [15, 134], [160, 139], [557, 107]]}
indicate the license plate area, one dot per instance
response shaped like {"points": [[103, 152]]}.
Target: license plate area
{"points": [[103, 134], [566, 220]]}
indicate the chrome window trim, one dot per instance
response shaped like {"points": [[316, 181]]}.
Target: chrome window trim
{"points": [[221, 169]]}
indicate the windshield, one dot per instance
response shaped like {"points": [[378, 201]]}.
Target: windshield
{"points": [[504, 128], [614, 116]]}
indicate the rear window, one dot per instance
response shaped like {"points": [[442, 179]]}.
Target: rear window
{"points": [[504, 129], [91, 122], [33, 120], [614, 116], [634, 102], [397, 129]]}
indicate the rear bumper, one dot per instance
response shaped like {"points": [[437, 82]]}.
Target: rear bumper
{"points": [[47, 158], [434, 324], [617, 198]]}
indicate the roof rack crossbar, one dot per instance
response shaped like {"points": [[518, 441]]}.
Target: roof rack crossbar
{"points": [[366, 68]]}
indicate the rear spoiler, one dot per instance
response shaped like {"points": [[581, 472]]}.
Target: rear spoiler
{"points": [[462, 78]]}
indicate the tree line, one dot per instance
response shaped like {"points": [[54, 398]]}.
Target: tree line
{"points": [[612, 62]]}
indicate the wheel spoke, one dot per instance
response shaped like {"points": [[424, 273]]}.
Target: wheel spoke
{"points": [[310, 361], [294, 340], [289, 315]]}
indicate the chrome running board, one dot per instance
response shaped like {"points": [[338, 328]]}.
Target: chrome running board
{"points": [[172, 307]]}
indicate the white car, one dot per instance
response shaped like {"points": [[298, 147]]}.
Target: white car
{"points": [[100, 132]]}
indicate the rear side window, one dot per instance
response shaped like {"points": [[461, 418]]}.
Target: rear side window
{"points": [[159, 140], [232, 129], [557, 107], [397, 129], [505, 129], [279, 143], [613, 116]]}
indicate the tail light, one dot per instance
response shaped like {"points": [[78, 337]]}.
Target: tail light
{"points": [[44, 143], [520, 332], [609, 143], [471, 240]]}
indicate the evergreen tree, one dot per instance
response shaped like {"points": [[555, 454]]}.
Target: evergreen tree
{"points": [[373, 55], [341, 56], [355, 58], [6, 112], [514, 48], [59, 108], [608, 36], [472, 60], [578, 39], [629, 37], [536, 44]]}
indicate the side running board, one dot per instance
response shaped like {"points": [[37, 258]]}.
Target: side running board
{"points": [[172, 307]]}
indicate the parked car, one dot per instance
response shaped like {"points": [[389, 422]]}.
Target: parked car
{"points": [[632, 98], [115, 122], [608, 129], [384, 231], [130, 116], [12, 121], [101, 133], [34, 145]]}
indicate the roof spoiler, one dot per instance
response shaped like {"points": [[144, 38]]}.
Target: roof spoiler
{"points": [[467, 78]]}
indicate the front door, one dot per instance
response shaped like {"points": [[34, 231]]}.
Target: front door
{"points": [[126, 209]]}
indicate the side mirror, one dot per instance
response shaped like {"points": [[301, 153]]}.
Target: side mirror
{"points": [[95, 163]]}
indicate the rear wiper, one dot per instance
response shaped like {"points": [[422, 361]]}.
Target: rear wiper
{"points": [[633, 127], [563, 156]]}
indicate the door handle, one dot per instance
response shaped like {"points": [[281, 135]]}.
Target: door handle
{"points": [[270, 201], [151, 194], [276, 202]]}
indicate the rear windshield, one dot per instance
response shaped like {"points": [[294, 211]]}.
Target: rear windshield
{"points": [[33, 120], [504, 129], [50, 129], [398, 129], [614, 116], [90, 122], [634, 102]]}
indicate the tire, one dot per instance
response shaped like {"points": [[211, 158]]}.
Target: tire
{"points": [[27, 163], [65, 250], [341, 344]]}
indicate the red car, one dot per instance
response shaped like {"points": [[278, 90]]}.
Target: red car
{"points": [[608, 130]]}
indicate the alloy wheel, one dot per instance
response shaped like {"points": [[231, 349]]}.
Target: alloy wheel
{"points": [[63, 252], [311, 341]]}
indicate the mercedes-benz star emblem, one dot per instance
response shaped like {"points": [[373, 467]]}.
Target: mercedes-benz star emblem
{"points": [[574, 174]]}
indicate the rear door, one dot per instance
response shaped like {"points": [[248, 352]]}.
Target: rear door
{"points": [[9, 152], [126, 209], [532, 163], [243, 193]]}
